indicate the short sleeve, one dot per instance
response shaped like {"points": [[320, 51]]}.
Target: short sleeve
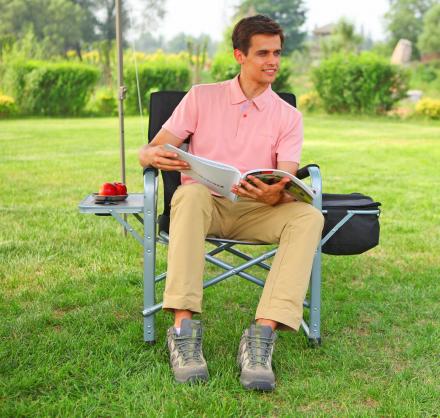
{"points": [[183, 121], [289, 144]]}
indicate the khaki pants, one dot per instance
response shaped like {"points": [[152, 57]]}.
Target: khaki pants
{"points": [[196, 213]]}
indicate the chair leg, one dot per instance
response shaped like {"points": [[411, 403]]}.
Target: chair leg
{"points": [[149, 253], [149, 290], [314, 334]]}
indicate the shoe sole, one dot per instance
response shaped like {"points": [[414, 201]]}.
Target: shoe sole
{"points": [[258, 385]]}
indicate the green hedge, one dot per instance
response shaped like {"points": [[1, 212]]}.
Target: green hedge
{"points": [[224, 67], [363, 83], [45, 88], [154, 76]]}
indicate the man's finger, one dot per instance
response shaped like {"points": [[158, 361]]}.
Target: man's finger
{"points": [[167, 161], [250, 187], [258, 183], [240, 191], [281, 184]]}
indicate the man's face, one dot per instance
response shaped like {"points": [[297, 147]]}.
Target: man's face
{"points": [[262, 61]]}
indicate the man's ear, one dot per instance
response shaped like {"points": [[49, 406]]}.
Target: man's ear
{"points": [[239, 56]]}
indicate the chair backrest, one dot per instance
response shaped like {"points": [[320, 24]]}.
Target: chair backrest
{"points": [[162, 105]]}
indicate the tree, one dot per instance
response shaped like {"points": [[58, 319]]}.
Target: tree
{"points": [[67, 24], [105, 10], [405, 20], [180, 41], [54, 22], [148, 43], [429, 40], [87, 24], [343, 39], [290, 14]]}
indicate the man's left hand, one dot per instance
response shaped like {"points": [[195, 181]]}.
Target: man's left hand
{"points": [[261, 192]]}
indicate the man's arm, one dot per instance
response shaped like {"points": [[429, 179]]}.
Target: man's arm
{"points": [[153, 154], [269, 194]]}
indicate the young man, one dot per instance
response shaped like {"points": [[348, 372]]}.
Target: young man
{"points": [[241, 122]]}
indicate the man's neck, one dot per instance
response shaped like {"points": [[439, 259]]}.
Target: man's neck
{"points": [[251, 89]]}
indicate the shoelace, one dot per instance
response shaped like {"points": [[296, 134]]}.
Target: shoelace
{"points": [[265, 345], [189, 347]]}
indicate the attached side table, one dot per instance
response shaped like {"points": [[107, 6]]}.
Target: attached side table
{"points": [[141, 207]]}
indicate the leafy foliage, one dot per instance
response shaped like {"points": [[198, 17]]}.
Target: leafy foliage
{"points": [[405, 20], [343, 38], [103, 103], [429, 40], [157, 74], [7, 106], [429, 107], [309, 102], [70, 24], [56, 23], [362, 83], [44, 88]]}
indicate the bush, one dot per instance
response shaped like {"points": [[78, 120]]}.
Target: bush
{"points": [[363, 83], [309, 102], [224, 67], [44, 88], [428, 107], [425, 72], [7, 106], [103, 103], [157, 75]]}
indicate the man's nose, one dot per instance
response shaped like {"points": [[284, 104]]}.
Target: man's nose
{"points": [[273, 59]]}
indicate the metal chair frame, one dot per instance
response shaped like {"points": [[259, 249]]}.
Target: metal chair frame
{"points": [[143, 206]]}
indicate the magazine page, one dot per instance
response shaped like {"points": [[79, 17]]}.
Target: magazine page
{"points": [[217, 176], [298, 189]]}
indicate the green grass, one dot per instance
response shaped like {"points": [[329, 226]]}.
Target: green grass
{"points": [[71, 286]]}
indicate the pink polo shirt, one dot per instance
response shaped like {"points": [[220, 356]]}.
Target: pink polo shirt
{"points": [[227, 127]]}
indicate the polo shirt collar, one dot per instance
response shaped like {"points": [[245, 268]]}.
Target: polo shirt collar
{"points": [[237, 96]]}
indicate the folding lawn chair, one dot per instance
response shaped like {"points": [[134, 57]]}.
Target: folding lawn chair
{"points": [[351, 227], [162, 105]]}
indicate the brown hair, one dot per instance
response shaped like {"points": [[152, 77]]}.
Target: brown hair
{"points": [[254, 25]]}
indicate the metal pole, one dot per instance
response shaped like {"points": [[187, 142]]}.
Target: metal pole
{"points": [[121, 90]]}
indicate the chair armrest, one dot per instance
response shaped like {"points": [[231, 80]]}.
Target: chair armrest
{"points": [[151, 169], [313, 171], [304, 172]]}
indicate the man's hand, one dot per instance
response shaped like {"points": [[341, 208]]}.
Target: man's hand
{"points": [[262, 192], [156, 156]]}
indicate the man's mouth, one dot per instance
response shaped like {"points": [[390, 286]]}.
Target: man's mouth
{"points": [[270, 71]]}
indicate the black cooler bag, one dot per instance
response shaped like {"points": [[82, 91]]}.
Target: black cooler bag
{"points": [[359, 233]]}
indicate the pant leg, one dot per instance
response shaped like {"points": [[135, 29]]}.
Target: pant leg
{"points": [[297, 227], [193, 215]]}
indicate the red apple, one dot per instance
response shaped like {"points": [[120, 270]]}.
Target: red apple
{"points": [[121, 188], [108, 189]]}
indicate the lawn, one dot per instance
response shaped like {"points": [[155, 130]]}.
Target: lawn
{"points": [[71, 286]]}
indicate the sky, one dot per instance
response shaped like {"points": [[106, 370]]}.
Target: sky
{"points": [[212, 16]]}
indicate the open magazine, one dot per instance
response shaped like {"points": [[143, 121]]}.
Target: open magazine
{"points": [[221, 177]]}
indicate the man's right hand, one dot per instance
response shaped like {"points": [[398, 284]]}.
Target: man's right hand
{"points": [[156, 156], [153, 154]]}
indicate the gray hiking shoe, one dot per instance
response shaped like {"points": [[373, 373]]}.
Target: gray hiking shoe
{"points": [[186, 355], [255, 358]]}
